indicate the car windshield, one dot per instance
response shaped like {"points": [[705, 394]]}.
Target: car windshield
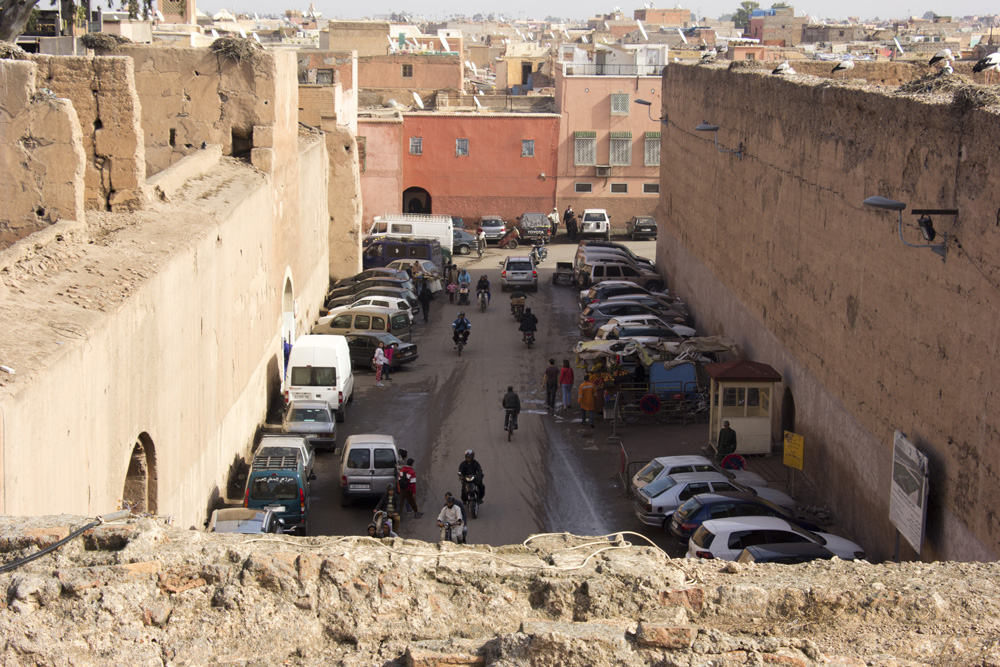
{"points": [[650, 472], [274, 487], [519, 266], [690, 508], [310, 415], [659, 486]]}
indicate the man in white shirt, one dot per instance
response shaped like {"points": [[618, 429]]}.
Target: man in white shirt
{"points": [[450, 514]]}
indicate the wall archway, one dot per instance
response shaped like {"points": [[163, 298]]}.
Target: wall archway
{"points": [[416, 200], [787, 412], [139, 493]]}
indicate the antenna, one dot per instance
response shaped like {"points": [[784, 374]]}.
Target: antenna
{"points": [[416, 98]]}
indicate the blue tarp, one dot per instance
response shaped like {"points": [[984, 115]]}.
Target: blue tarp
{"points": [[681, 377]]}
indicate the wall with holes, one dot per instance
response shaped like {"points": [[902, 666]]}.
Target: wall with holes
{"points": [[776, 250]]}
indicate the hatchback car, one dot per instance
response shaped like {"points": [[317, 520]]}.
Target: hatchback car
{"points": [[598, 246], [396, 303], [667, 303], [412, 303], [789, 553], [683, 463], [377, 272], [244, 521], [518, 272], [314, 421], [462, 241], [641, 227], [352, 289], [725, 539], [596, 315], [705, 506], [613, 329], [656, 502], [363, 345], [494, 226], [610, 288], [643, 335]]}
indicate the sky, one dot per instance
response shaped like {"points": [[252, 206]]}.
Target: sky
{"points": [[574, 9]]}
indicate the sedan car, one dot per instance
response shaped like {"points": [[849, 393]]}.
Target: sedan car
{"points": [[362, 349], [518, 272], [348, 290], [377, 272], [655, 503], [674, 465], [494, 226], [725, 539], [642, 335], [413, 305], [655, 301], [689, 516], [610, 288], [620, 247], [313, 420], [596, 315], [462, 241], [641, 227], [245, 521]]}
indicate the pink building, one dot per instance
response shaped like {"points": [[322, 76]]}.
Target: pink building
{"points": [[380, 155], [609, 153]]}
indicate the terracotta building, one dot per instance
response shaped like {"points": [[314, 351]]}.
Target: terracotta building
{"points": [[398, 76]]}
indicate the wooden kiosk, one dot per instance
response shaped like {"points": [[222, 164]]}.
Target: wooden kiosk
{"points": [[742, 393]]}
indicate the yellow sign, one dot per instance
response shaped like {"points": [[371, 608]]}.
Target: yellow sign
{"points": [[794, 446]]}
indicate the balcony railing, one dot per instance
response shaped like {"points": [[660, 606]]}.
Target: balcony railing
{"points": [[590, 69]]}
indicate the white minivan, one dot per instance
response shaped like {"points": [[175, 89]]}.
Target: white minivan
{"points": [[319, 369]]}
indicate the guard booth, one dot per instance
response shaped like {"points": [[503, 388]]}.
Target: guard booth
{"points": [[742, 393]]}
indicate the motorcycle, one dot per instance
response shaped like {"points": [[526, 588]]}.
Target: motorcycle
{"points": [[462, 341], [529, 338], [517, 307], [483, 300], [446, 531], [470, 491], [539, 253], [463, 294]]}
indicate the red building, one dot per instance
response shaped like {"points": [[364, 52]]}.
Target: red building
{"points": [[475, 164]]}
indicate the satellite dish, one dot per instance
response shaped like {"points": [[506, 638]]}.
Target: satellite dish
{"points": [[392, 104], [444, 43], [681, 33], [642, 30], [583, 38], [243, 33], [159, 15], [256, 17], [416, 98], [478, 105], [215, 34], [255, 37]]}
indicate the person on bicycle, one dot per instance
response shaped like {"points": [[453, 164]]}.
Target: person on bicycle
{"points": [[481, 241], [470, 467], [511, 404], [529, 323], [452, 515], [461, 327], [483, 286]]}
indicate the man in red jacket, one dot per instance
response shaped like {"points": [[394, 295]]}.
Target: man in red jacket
{"points": [[408, 487]]}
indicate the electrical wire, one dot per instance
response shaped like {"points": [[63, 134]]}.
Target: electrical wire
{"points": [[52, 547]]}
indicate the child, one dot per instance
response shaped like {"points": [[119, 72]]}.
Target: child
{"points": [[451, 292]]}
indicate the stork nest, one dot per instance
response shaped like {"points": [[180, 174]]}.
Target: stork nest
{"points": [[975, 97], [102, 41], [9, 51], [749, 65], [935, 84], [238, 48]]}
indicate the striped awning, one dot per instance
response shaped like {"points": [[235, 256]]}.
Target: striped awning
{"points": [[585, 134], [621, 135], [652, 135]]}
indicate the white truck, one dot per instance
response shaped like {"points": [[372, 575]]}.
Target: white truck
{"points": [[415, 225], [319, 369]]}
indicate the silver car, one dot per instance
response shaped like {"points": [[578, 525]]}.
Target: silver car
{"points": [[518, 272], [313, 420]]}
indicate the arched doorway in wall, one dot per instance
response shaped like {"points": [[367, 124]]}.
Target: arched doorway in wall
{"points": [[139, 492], [287, 321], [416, 200], [787, 411]]}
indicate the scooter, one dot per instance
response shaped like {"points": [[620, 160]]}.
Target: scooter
{"points": [[483, 300], [463, 294], [529, 338], [463, 340], [471, 492]]}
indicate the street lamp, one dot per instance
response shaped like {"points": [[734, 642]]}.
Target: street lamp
{"points": [[649, 111], [705, 126], [925, 223]]}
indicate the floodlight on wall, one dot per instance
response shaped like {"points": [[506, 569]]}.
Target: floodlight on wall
{"points": [[649, 111], [705, 126], [924, 223]]}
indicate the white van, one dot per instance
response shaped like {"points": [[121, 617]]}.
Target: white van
{"points": [[418, 225], [368, 463], [319, 369]]}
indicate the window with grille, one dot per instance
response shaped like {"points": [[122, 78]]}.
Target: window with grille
{"points": [[585, 148], [621, 149], [461, 147], [324, 77], [650, 188], [584, 187], [416, 145], [619, 104], [527, 148], [619, 188], [407, 71], [652, 152]]}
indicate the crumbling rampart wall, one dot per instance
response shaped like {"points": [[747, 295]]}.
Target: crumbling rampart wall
{"points": [[777, 251]]}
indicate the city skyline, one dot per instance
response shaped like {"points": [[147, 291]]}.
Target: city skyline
{"points": [[523, 9]]}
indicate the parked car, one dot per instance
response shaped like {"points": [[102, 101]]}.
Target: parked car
{"points": [[378, 272], [609, 288], [667, 304], [362, 347], [705, 506], [494, 226], [426, 266], [244, 521], [280, 483], [641, 226], [599, 271], [343, 321], [788, 553], [314, 421], [518, 272], [393, 302], [618, 328], [352, 289], [535, 226], [726, 539], [368, 462], [413, 304], [598, 314], [289, 445], [464, 242], [643, 335], [595, 222], [684, 463], [656, 502], [594, 245]]}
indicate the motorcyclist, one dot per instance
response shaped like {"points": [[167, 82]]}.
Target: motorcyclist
{"points": [[461, 327], [517, 298], [511, 404], [529, 323], [450, 513], [483, 286], [391, 503], [470, 466], [465, 515]]}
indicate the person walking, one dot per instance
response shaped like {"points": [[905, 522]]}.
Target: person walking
{"points": [[379, 362], [554, 221], [571, 226], [566, 382], [726, 443], [550, 379], [388, 351], [586, 398], [408, 487], [567, 214], [425, 299]]}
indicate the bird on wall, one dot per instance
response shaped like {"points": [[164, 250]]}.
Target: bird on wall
{"points": [[783, 68], [941, 58], [709, 55], [843, 66], [989, 64], [946, 70]]}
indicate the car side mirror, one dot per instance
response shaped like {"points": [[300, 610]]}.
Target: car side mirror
{"points": [[312, 477]]}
